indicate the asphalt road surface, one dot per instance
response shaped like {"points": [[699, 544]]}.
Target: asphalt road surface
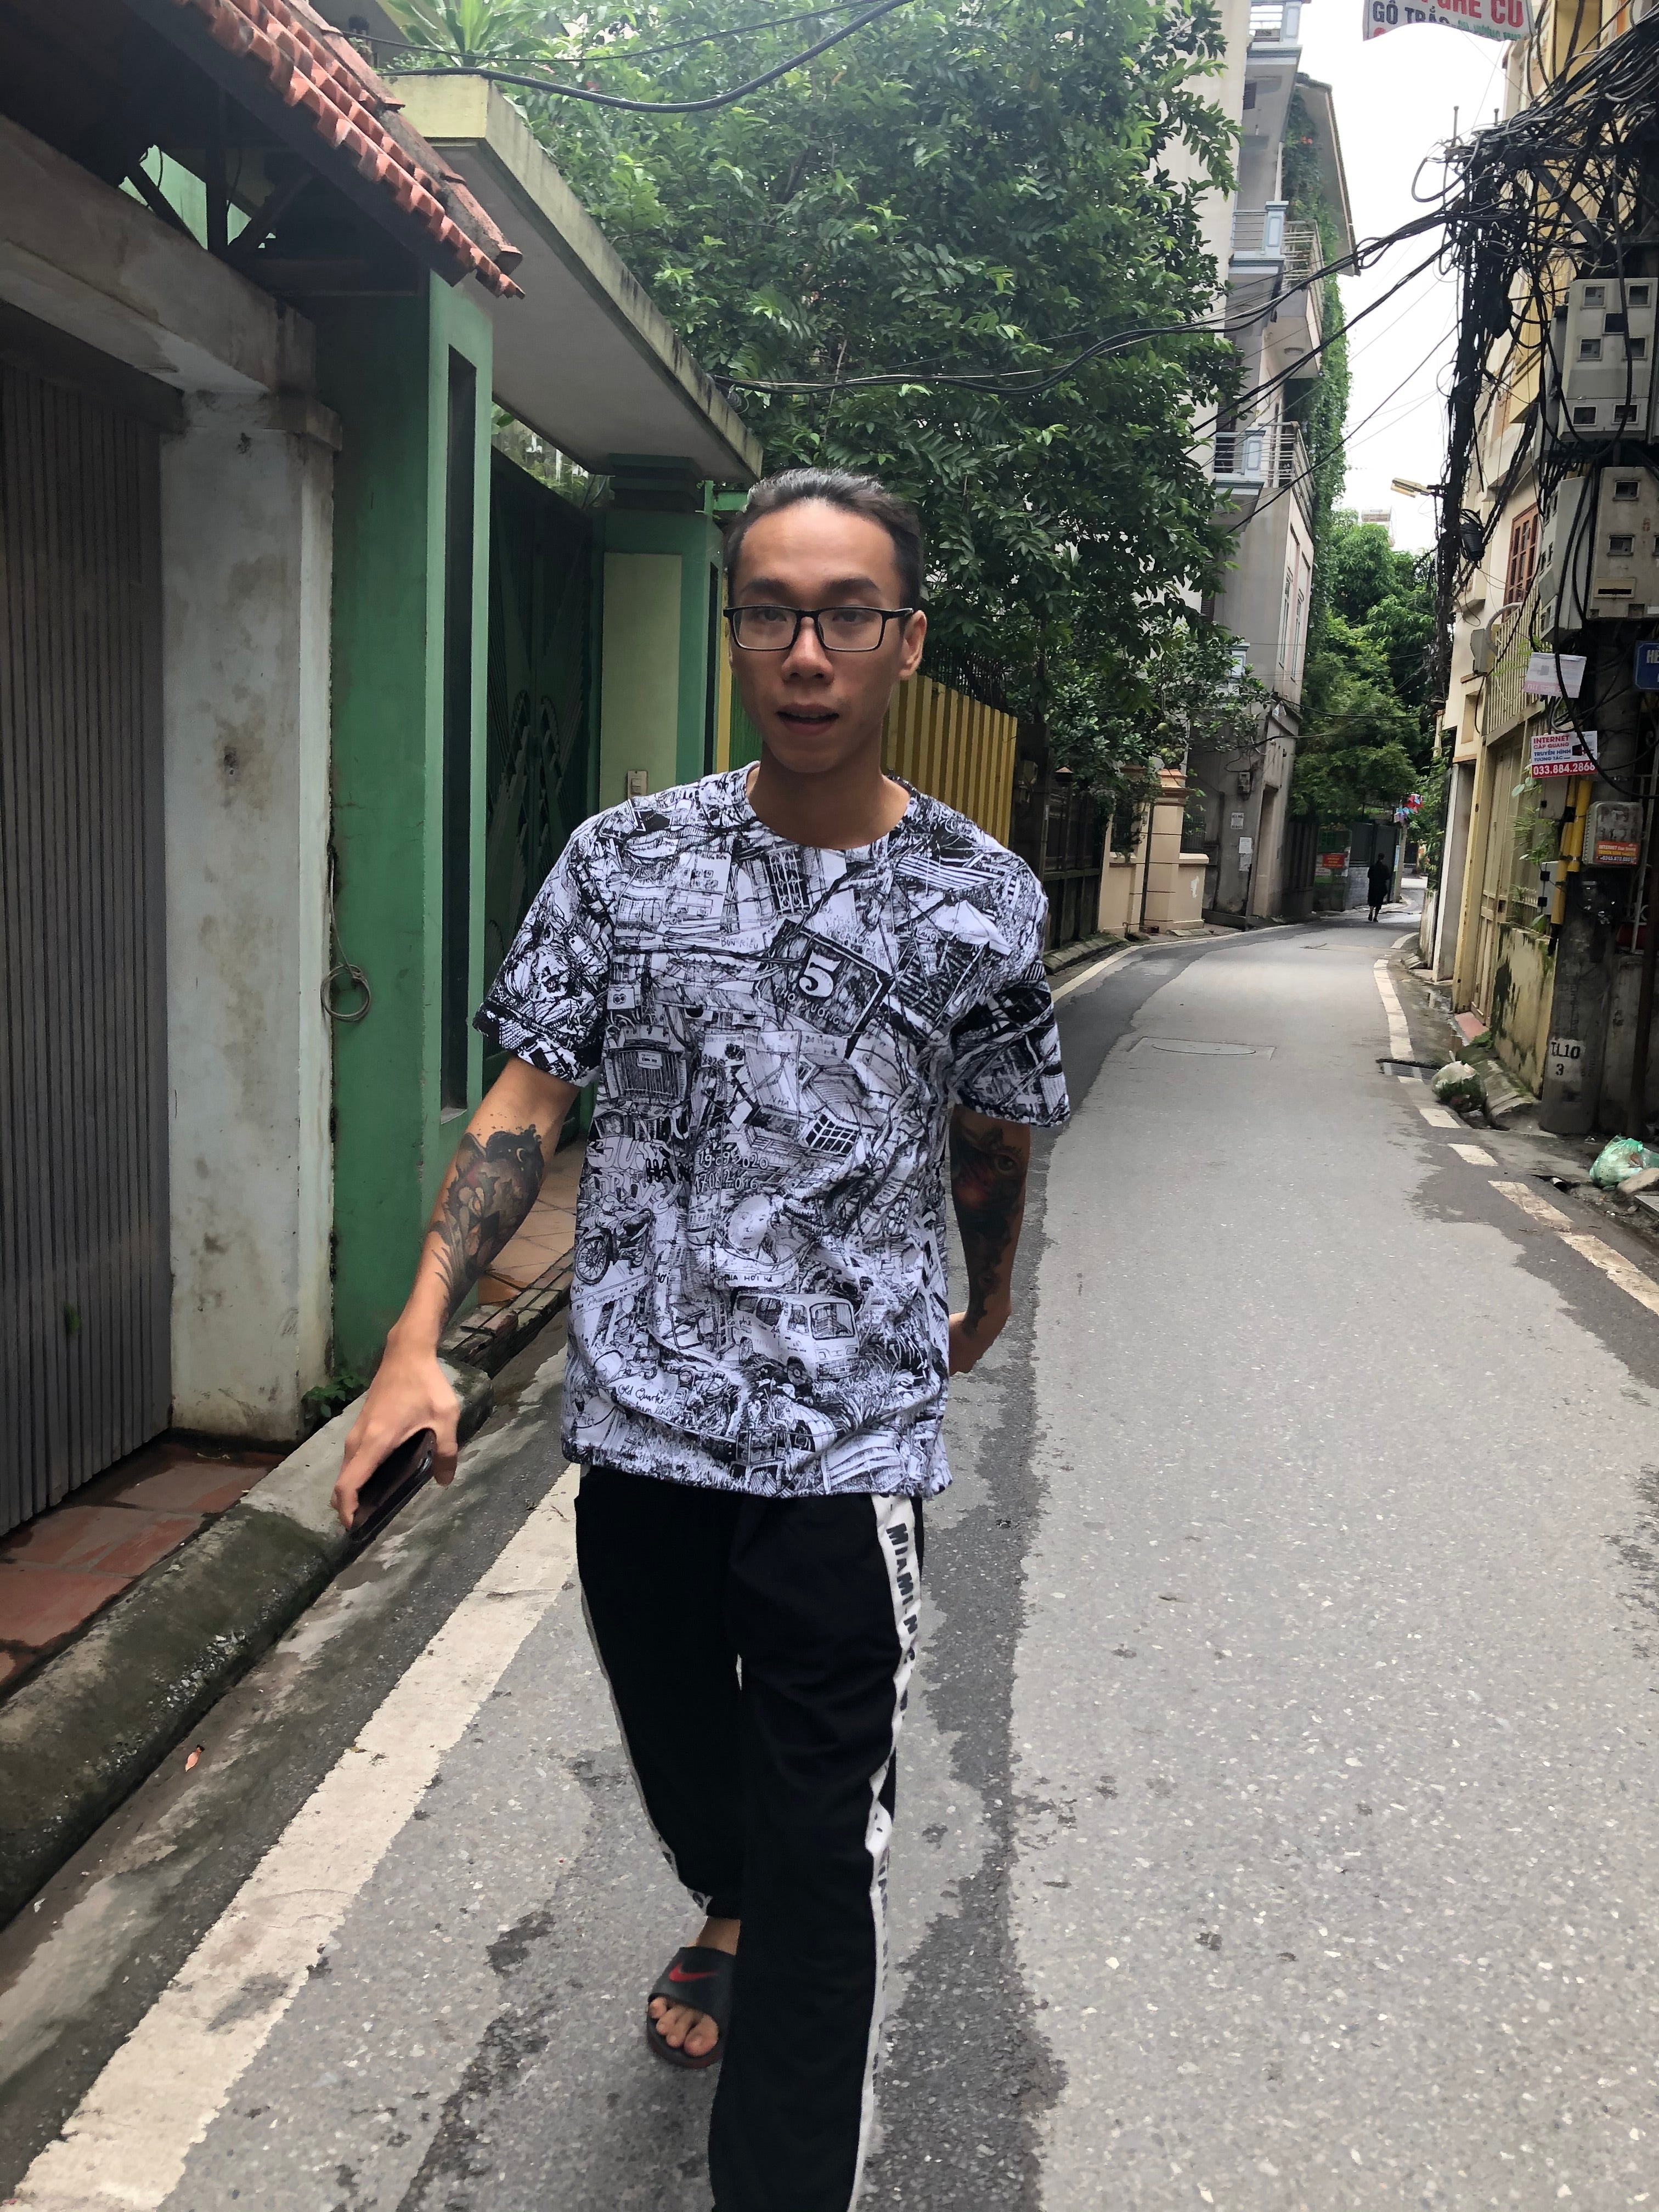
{"points": [[1278, 1818]]}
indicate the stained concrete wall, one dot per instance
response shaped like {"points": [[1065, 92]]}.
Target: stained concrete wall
{"points": [[246, 533], [247, 521]]}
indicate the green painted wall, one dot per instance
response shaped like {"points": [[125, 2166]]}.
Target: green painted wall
{"points": [[383, 365], [640, 687], [693, 541]]}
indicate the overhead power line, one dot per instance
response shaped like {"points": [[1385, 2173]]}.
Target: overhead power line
{"points": [[595, 98], [622, 52]]}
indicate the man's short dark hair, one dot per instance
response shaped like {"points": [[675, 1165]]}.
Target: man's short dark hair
{"points": [[856, 494]]}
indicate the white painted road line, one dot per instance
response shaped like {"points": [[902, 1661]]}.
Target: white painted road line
{"points": [[1410, 937], [1641, 1287], [1093, 975], [1614, 1265], [126, 2143], [1523, 1195], [1440, 1117], [1475, 1156], [1400, 1037]]}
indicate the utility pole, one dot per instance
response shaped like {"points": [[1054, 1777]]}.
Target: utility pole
{"points": [[1569, 1100]]}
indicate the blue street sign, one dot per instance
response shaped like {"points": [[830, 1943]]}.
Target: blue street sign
{"points": [[1647, 666]]}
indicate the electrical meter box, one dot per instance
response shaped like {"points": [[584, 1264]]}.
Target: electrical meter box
{"points": [[1598, 549], [1613, 833], [1599, 379]]}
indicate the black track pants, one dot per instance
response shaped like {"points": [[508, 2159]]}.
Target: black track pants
{"points": [[758, 1651]]}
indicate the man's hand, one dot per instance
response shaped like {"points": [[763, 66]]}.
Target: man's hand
{"points": [[410, 1393], [972, 1335], [488, 1190]]}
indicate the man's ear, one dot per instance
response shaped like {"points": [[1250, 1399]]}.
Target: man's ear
{"points": [[915, 634]]}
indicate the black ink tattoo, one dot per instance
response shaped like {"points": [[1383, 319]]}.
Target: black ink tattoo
{"points": [[494, 1188], [987, 1184]]}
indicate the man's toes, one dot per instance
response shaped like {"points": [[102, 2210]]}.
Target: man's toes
{"points": [[703, 2037]]}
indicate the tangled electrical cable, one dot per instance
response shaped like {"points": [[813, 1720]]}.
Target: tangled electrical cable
{"points": [[1561, 190]]}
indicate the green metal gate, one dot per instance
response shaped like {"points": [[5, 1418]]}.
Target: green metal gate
{"points": [[539, 773]]}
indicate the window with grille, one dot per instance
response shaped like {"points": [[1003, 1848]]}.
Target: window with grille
{"points": [[1523, 556]]}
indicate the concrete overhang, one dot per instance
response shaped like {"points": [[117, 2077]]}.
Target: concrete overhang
{"points": [[584, 358], [87, 260]]}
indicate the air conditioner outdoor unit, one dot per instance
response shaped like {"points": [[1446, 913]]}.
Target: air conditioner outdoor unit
{"points": [[1482, 655], [1598, 377], [1598, 552]]}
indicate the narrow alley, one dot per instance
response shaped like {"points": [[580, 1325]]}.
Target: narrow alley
{"points": [[1276, 1796]]}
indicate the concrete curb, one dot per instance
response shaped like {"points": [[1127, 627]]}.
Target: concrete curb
{"points": [[80, 1736]]}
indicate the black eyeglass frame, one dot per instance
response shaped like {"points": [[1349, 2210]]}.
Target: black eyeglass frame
{"points": [[814, 615]]}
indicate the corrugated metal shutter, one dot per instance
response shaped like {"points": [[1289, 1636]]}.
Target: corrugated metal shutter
{"points": [[83, 1205]]}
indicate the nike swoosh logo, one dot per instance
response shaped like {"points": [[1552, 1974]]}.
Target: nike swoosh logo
{"points": [[675, 1975]]}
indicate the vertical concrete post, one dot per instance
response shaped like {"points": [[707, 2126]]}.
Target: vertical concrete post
{"points": [[385, 365], [1453, 859], [247, 523], [1569, 1103]]}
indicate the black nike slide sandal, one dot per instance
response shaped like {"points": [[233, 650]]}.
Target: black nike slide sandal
{"points": [[702, 1978]]}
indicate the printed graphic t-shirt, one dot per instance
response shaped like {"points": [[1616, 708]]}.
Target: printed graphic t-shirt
{"points": [[778, 1033]]}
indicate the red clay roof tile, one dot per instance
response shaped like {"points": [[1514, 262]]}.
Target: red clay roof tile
{"points": [[312, 66]]}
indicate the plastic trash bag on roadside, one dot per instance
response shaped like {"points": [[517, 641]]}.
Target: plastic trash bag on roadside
{"points": [[1459, 1085], [1619, 1160]]}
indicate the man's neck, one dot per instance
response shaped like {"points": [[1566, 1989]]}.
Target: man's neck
{"points": [[853, 807]]}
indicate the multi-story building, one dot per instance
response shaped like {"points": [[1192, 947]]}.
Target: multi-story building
{"points": [[1535, 921], [1288, 217]]}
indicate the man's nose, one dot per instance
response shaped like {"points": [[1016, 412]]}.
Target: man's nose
{"points": [[806, 656]]}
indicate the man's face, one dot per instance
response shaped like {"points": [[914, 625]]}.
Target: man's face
{"points": [[815, 709]]}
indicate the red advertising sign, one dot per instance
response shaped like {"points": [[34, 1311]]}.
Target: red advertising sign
{"points": [[1487, 19]]}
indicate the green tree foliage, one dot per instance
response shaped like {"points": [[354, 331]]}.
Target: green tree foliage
{"points": [[1189, 690], [1364, 739], [967, 185]]}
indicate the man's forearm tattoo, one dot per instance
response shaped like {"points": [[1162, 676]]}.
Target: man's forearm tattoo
{"points": [[988, 1182], [495, 1187]]}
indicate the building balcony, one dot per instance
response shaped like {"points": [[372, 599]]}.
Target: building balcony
{"points": [[1267, 244], [1275, 22], [1266, 458]]}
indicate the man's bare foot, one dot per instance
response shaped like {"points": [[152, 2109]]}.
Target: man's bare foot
{"points": [[694, 2033]]}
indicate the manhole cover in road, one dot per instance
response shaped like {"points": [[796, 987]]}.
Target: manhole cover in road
{"points": [[1197, 1044]]}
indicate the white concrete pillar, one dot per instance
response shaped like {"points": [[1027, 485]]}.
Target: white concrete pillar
{"points": [[1454, 853], [246, 524]]}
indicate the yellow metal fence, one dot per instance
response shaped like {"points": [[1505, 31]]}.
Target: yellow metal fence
{"points": [[945, 743], [954, 748]]}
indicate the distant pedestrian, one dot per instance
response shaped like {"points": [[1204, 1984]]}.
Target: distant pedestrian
{"points": [[1379, 882], [808, 995]]}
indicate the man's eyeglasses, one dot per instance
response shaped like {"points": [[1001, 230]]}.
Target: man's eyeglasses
{"points": [[840, 629]]}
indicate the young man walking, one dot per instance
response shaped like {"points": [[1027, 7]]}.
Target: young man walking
{"points": [[797, 986]]}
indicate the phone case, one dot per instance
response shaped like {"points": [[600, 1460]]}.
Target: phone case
{"points": [[392, 1484]]}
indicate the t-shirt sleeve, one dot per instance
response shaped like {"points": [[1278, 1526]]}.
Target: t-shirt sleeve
{"points": [[1005, 1046], [547, 1005]]}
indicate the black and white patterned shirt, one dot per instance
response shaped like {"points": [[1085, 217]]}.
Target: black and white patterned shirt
{"points": [[778, 1033]]}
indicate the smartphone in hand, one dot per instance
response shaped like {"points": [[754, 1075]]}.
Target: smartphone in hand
{"points": [[394, 1482]]}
